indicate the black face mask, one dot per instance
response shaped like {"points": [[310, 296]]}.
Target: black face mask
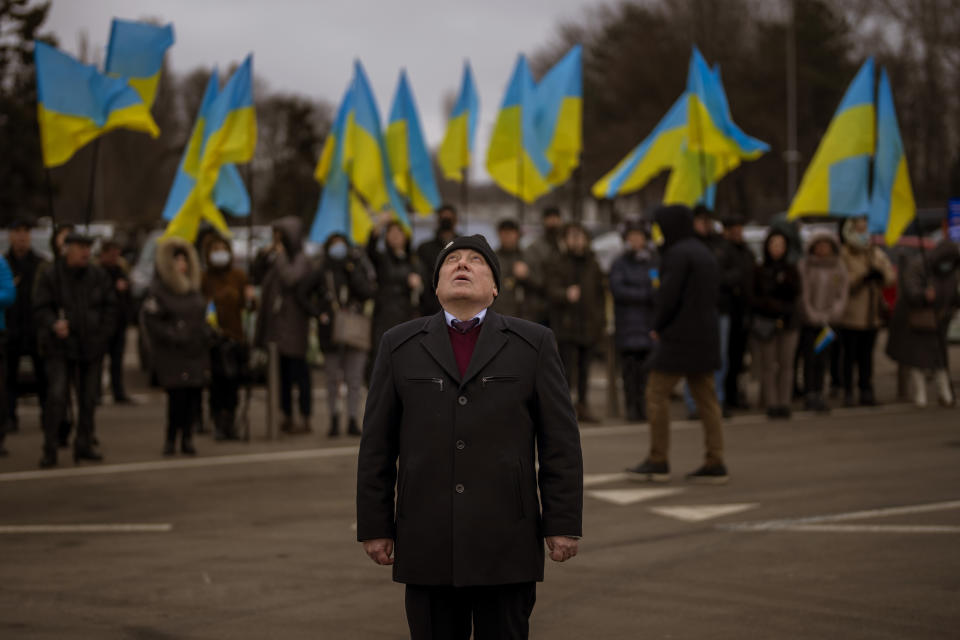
{"points": [[445, 225]]}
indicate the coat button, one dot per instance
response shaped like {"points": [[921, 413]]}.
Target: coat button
{"points": [[459, 488], [461, 445], [462, 400]]}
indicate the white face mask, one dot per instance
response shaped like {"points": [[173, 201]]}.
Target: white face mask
{"points": [[220, 258]]}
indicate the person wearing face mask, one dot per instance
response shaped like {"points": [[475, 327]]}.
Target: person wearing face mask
{"points": [[869, 270], [632, 278], [228, 289], [428, 251], [926, 300], [343, 281], [399, 284], [541, 256], [512, 299]]}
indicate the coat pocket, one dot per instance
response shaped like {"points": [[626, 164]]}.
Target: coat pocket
{"points": [[436, 381], [485, 380]]}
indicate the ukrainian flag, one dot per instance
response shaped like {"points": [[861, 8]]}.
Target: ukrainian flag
{"points": [[835, 182], [515, 158], [229, 192], [409, 159], [76, 103], [454, 154], [559, 100], [892, 206], [136, 53], [230, 135]]}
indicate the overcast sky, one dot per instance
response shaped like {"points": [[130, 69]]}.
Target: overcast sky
{"points": [[308, 46]]}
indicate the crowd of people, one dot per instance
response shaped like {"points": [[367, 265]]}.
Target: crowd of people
{"points": [[686, 300]]}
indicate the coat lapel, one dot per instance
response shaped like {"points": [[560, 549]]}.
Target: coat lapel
{"points": [[437, 344], [490, 341]]}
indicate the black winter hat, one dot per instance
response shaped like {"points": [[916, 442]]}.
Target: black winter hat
{"points": [[476, 242]]}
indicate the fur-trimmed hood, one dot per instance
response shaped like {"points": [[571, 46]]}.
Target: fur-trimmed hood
{"points": [[178, 283]]}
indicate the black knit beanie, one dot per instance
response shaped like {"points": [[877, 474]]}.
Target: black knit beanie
{"points": [[476, 242]]}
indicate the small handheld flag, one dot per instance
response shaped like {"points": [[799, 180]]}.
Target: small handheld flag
{"points": [[824, 339]]}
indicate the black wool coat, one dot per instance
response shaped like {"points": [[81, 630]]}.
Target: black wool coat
{"points": [[467, 507]]}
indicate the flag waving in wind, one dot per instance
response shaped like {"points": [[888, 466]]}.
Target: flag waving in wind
{"points": [[410, 161], [76, 103], [892, 206], [559, 115], [136, 53], [454, 154]]}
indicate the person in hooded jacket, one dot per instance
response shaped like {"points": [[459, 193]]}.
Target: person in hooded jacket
{"points": [[824, 290], [776, 288], [869, 271], [686, 339], [928, 297], [399, 284], [344, 280], [227, 287], [173, 316], [633, 278], [284, 321]]}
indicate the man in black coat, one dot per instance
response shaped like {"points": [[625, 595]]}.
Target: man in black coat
{"points": [[462, 400], [687, 345], [74, 307]]}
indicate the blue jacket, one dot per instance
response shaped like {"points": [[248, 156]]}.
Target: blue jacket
{"points": [[632, 286], [8, 291]]}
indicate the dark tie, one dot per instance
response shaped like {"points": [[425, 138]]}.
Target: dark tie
{"points": [[464, 327]]}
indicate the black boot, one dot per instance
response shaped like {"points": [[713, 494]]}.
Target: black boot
{"points": [[49, 459], [88, 452], [334, 426], [352, 428]]}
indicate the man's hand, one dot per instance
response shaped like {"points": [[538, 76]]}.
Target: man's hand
{"points": [[414, 281], [520, 270], [930, 294], [122, 285], [655, 336], [561, 548], [61, 328], [380, 550], [573, 293]]}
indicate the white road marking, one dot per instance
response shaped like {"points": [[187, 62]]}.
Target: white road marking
{"points": [[699, 513], [624, 497], [823, 523], [85, 528], [593, 479], [191, 463], [850, 528]]}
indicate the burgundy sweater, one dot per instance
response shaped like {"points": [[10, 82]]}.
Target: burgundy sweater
{"points": [[463, 346]]}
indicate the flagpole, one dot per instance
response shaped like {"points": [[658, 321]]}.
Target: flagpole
{"points": [[250, 218], [49, 184], [93, 181], [464, 195]]}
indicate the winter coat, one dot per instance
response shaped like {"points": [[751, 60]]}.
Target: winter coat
{"points": [[349, 283], [86, 298], [173, 316], [913, 346], [225, 286], [824, 287], [282, 319], [739, 288], [582, 322], [685, 318], [448, 462], [512, 299], [8, 291], [866, 296], [542, 256], [21, 330], [732, 276], [776, 290], [393, 302], [117, 272], [632, 286]]}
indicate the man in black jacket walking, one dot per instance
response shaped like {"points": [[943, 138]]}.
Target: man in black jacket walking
{"points": [[687, 345], [462, 400], [75, 312]]}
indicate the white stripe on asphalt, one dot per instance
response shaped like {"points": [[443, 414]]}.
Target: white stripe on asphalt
{"points": [[820, 523], [85, 528], [164, 465], [849, 528]]}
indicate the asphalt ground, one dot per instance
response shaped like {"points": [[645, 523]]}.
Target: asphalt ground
{"points": [[839, 526]]}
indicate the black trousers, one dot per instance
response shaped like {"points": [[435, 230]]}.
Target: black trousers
{"points": [[634, 383], [814, 364], [118, 344], [84, 377], [15, 352], [500, 612], [736, 349], [576, 367], [182, 406], [858, 352], [224, 394], [295, 371]]}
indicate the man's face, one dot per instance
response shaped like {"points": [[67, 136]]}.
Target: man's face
{"points": [[20, 240], [551, 223], [702, 225], [637, 240], [446, 221], [77, 254], [465, 276], [508, 239], [110, 256], [734, 233], [576, 241]]}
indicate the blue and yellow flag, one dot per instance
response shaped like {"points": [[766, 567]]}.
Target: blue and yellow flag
{"points": [[76, 103], [835, 182], [229, 193], [892, 206], [515, 157], [230, 136], [454, 154], [559, 115], [407, 152], [135, 52]]}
